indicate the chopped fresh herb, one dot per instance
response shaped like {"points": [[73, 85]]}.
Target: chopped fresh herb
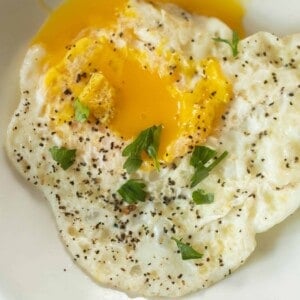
{"points": [[82, 112], [153, 144], [187, 252], [200, 161], [217, 161], [133, 163], [233, 43], [133, 191], [63, 156], [200, 174], [148, 141], [200, 197], [202, 155]]}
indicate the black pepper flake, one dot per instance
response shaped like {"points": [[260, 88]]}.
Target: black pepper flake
{"points": [[68, 92], [274, 76], [171, 182], [80, 76]]}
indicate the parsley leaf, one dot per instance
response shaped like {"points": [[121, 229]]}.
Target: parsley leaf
{"points": [[148, 141], [233, 43], [200, 158], [133, 191], [187, 252], [200, 197], [63, 156], [82, 112]]}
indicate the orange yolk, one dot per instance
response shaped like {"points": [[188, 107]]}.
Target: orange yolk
{"points": [[140, 97]]}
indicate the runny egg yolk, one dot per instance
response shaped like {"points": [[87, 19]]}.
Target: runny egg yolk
{"points": [[137, 97]]}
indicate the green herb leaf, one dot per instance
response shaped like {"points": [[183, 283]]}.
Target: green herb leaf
{"points": [[202, 154], [148, 141], [82, 112], [200, 197], [200, 174], [200, 161], [233, 43], [217, 161], [133, 163], [63, 156], [133, 191], [187, 252], [136, 147], [153, 144]]}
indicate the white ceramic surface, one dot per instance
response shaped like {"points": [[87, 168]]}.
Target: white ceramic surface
{"points": [[33, 262]]}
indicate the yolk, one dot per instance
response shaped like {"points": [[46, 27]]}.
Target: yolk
{"points": [[141, 98], [119, 88], [146, 101]]}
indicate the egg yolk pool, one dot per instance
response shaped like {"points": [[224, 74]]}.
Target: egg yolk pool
{"points": [[135, 97]]}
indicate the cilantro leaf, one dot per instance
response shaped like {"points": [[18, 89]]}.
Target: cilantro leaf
{"points": [[200, 197], [187, 252], [82, 112], [233, 43], [133, 191], [200, 159], [63, 156], [148, 141]]}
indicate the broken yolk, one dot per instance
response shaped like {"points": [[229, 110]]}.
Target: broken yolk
{"points": [[141, 98], [136, 97]]}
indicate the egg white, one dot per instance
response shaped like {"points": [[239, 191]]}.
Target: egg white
{"points": [[256, 187]]}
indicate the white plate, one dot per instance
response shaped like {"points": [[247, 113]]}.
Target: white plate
{"points": [[32, 258]]}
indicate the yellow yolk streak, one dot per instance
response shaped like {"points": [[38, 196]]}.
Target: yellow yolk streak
{"points": [[201, 108]]}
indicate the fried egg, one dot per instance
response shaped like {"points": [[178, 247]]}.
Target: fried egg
{"points": [[151, 64]]}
